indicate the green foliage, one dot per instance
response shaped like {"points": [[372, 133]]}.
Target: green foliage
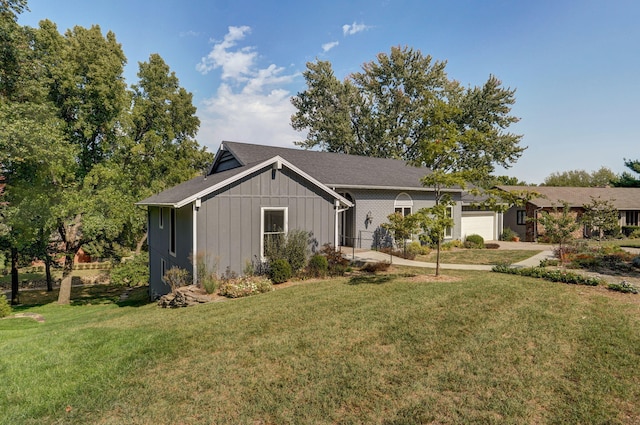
{"points": [[416, 248], [318, 266], [337, 263], [177, 277], [508, 235], [402, 227], [601, 216], [280, 271], [636, 262], [401, 104], [552, 275], [131, 272], [292, 247], [627, 179], [624, 287], [632, 232], [581, 178], [559, 226], [5, 308], [245, 286], [474, 242]]}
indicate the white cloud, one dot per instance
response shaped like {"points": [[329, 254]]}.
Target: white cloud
{"points": [[328, 46], [250, 104], [353, 28], [235, 65]]}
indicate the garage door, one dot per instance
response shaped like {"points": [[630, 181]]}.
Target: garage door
{"points": [[479, 224]]}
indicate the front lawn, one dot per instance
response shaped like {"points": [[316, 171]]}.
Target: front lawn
{"points": [[467, 347], [479, 256]]}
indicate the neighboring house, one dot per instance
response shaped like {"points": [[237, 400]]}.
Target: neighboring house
{"points": [[521, 219], [252, 191]]}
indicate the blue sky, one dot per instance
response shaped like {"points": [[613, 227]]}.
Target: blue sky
{"points": [[575, 64]]}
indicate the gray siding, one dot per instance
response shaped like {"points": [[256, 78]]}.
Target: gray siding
{"points": [[228, 220], [159, 240], [510, 221], [381, 203]]}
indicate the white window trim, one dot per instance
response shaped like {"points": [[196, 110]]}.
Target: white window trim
{"points": [[172, 231], [286, 225], [448, 232]]}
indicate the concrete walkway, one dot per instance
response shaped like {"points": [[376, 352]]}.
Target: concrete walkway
{"points": [[366, 256]]}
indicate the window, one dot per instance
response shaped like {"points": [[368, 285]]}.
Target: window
{"points": [[163, 269], [161, 218], [404, 211], [403, 204], [632, 218], [172, 231], [521, 217], [448, 232], [273, 227]]}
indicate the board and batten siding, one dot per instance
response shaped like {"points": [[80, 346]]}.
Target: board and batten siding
{"points": [[228, 220], [159, 241]]}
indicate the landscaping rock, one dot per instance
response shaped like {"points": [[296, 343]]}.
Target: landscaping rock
{"points": [[184, 297]]}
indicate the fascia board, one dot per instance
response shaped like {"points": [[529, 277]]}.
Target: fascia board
{"points": [[365, 186], [255, 168]]}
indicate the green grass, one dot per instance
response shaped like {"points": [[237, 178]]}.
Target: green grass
{"points": [[485, 348], [479, 256]]}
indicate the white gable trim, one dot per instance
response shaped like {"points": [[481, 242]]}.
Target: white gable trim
{"points": [[275, 160]]}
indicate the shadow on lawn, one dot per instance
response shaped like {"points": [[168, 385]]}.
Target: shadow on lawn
{"points": [[370, 279]]}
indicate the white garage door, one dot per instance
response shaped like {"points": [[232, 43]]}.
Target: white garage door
{"points": [[479, 224]]}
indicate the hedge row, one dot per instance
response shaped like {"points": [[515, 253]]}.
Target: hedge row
{"points": [[552, 275]]}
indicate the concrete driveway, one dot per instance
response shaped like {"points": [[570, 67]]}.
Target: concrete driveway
{"points": [[367, 256]]}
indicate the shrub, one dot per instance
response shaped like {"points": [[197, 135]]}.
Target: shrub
{"points": [[416, 248], [5, 308], [508, 235], [337, 263], [318, 266], [636, 262], [280, 271], [132, 272], [624, 287], [376, 267], [474, 242], [631, 231], [177, 277], [451, 244], [552, 275], [245, 286], [294, 247]]}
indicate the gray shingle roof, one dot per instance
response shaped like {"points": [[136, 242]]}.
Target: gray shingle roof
{"points": [[333, 170], [336, 169], [623, 198]]}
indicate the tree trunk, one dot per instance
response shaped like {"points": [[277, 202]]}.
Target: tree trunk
{"points": [[47, 270], [140, 244], [64, 297], [438, 255], [14, 277]]}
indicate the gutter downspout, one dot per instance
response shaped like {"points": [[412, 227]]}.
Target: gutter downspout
{"points": [[196, 206], [338, 211]]}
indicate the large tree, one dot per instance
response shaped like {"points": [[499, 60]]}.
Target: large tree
{"points": [[581, 178], [627, 179], [78, 148], [392, 106]]}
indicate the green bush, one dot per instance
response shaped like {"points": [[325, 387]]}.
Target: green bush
{"points": [[5, 308], [318, 266], [624, 287], [508, 235], [337, 263], [293, 247], [552, 275], [245, 286], [133, 272], [177, 278], [416, 248], [280, 271], [474, 242], [636, 262], [456, 243], [631, 231]]}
